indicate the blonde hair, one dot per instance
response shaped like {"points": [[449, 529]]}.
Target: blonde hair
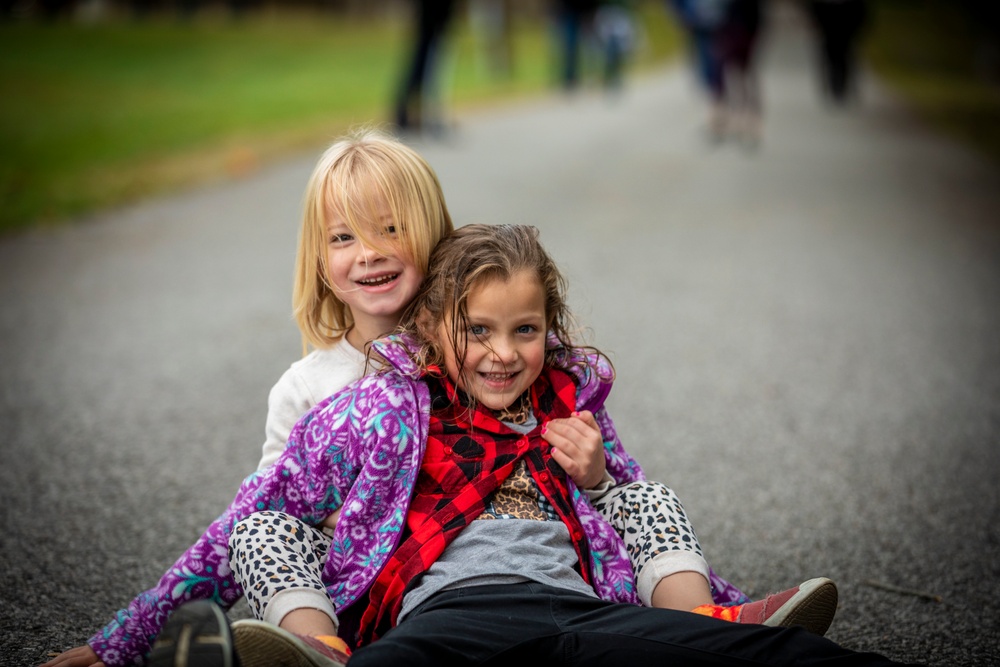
{"points": [[352, 179], [470, 257]]}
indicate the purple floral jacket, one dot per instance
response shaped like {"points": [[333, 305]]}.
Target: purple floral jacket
{"points": [[359, 450]]}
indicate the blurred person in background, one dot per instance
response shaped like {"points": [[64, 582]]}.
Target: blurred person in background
{"points": [[738, 114], [574, 21], [839, 25], [492, 23], [614, 26], [723, 36], [418, 105], [702, 19]]}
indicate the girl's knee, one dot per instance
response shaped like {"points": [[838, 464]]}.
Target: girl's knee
{"points": [[258, 527], [647, 492], [263, 520]]}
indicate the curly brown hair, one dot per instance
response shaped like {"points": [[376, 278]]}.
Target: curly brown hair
{"points": [[469, 257]]}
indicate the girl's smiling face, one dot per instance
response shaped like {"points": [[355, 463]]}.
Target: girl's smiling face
{"points": [[504, 340], [377, 285]]}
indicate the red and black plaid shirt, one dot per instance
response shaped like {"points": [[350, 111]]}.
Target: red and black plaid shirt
{"points": [[468, 457]]}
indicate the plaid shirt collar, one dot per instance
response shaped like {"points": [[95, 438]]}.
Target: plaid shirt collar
{"points": [[553, 391]]}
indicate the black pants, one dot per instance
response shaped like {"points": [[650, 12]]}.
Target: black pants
{"points": [[522, 624], [839, 25], [431, 21]]}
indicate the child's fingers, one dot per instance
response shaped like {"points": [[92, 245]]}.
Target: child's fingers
{"points": [[575, 427], [573, 437], [583, 465], [577, 447], [564, 436], [566, 462], [587, 417], [81, 656], [552, 434], [574, 463]]}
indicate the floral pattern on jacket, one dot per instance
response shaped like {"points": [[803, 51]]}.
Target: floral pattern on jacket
{"points": [[358, 451]]}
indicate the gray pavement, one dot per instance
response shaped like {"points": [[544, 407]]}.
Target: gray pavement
{"points": [[806, 340]]}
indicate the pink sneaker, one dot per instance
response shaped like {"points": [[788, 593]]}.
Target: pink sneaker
{"points": [[811, 605], [260, 644]]}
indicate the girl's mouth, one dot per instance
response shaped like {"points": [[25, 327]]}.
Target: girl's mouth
{"points": [[497, 378], [378, 281]]}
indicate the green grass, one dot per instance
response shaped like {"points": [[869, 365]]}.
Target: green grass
{"points": [[97, 115], [933, 53]]}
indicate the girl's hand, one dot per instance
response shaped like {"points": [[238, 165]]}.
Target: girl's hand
{"points": [[578, 447], [81, 656]]}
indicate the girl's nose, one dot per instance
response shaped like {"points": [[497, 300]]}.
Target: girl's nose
{"points": [[367, 255], [505, 351]]}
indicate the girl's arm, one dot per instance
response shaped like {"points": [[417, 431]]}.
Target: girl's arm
{"points": [[287, 402], [317, 376]]}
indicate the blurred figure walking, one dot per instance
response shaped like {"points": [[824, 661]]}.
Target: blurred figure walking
{"points": [[736, 42], [614, 27], [724, 36], [702, 20], [492, 23], [839, 25], [418, 103], [574, 22]]}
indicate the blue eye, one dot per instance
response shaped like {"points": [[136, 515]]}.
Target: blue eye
{"points": [[526, 329], [477, 330]]}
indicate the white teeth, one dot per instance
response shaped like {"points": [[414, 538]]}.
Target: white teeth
{"points": [[372, 282]]}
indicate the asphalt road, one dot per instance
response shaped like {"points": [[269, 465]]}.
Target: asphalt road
{"points": [[807, 341]]}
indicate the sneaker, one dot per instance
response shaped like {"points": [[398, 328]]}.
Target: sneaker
{"points": [[197, 634], [811, 605], [260, 644]]}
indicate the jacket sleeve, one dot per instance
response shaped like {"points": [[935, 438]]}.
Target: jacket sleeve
{"points": [[309, 481], [613, 577], [595, 380], [373, 515]]}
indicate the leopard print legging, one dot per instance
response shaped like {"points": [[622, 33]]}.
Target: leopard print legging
{"points": [[272, 552], [657, 533]]}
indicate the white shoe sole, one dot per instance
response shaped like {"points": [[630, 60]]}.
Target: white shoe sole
{"points": [[197, 634], [260, 644], [812, 607]]}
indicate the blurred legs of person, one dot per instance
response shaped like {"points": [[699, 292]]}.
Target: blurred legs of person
{"points": [[417, 104], [839, 24], [701, 19], [615, 28], [738, 39]]}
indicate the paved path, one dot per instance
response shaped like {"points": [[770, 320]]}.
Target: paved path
{"points": [[806, 341]]}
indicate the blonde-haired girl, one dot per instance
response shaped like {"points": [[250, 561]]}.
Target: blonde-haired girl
{"points": [[373, 212], [389, 199]]}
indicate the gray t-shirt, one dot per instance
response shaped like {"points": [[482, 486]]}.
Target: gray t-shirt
{"points": [[518, 538], [508, 551]]}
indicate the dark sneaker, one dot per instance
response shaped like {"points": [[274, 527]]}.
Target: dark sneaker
{"points": [[261, 644], [811, 605], [197, 634]]}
